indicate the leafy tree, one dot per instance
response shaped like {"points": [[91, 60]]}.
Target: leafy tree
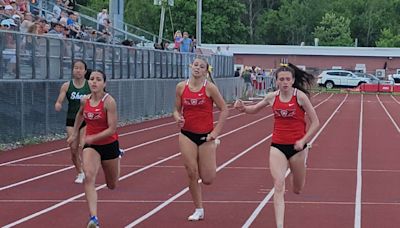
{"points": [[269, 21], [333, 31], [388, 39], [97, 5]]}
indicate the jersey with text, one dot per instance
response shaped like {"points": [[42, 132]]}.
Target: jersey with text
{"points": [[74, 96]]}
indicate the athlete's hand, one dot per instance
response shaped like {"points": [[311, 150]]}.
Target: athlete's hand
{"points": [[71, 139], [239, 105], [57, 107], [211, 136], [180, 121], [299, 145]]}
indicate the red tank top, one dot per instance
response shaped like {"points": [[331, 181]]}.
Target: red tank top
{"points": [[197, 110], [289, 123], [96, 121]]}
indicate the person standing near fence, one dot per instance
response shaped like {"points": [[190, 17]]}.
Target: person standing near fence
{"points": [[199, 138], [289, 139], [101, 148], [74, 90]]}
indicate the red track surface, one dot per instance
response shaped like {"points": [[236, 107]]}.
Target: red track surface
{"points": [[352, 178]]}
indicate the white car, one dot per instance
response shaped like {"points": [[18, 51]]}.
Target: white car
{"points": [[340, 78]]}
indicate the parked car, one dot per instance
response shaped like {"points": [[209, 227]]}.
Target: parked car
{"points": [[372, 78], [396, 78], [340, 78]]}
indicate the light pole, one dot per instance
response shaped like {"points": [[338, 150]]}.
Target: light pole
{"points": [[198, 22]]}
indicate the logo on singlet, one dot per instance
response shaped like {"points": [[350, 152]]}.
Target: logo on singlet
{"points": [[76, 96], [285, 112], [189, 101], [92, 115]]}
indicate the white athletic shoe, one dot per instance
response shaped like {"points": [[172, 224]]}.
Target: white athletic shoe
{"points": [[197, 215], [79, 178]]}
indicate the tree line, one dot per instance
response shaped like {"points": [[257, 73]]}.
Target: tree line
{"points": [[365, 23]]}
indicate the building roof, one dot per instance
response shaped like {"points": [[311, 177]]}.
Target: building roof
{"points": [[306, 50]]}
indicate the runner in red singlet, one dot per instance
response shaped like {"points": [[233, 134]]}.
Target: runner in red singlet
{"points": [[197, 141], [290, 137], [101, 147]]}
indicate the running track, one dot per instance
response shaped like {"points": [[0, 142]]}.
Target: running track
{"points": [[352, 180]]}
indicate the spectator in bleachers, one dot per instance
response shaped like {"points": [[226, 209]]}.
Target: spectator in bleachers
{"points": [[17, 20], [165, 46], [186, 43], [57, 9], [63, 18], [34, 7], [73, 25], [128, 43], [92, 35], [9, 51], [22, 6], [101, 16], [28, 41], [227, 51], [66, 32], [57, 30], [177, 40], [41, 26], [104, 37], [106, 26], [194, 43], [9, 11], [157, 46], [218, 51], [26, 23]]}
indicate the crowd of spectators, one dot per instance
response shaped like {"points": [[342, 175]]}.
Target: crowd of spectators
{"points": [[60, 20], [182, 43]]}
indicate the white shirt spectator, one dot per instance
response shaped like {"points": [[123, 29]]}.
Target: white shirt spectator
{"points": [[57, 11], [227, 52], [102, 16]]}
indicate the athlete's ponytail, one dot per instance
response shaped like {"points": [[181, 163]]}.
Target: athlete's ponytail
{"points": [[209, 71]]}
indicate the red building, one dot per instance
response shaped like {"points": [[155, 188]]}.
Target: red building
{"points": [[378, 61]]}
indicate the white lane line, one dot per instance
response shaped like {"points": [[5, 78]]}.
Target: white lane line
{"points": [[206, 201], [32, 157], [257, 211], [35, 178], [24, 219], [161, 206], [388, 114], [67, 148], [70, 167], [357, 210], [398, 102], [165, 203], [71, 199]]}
